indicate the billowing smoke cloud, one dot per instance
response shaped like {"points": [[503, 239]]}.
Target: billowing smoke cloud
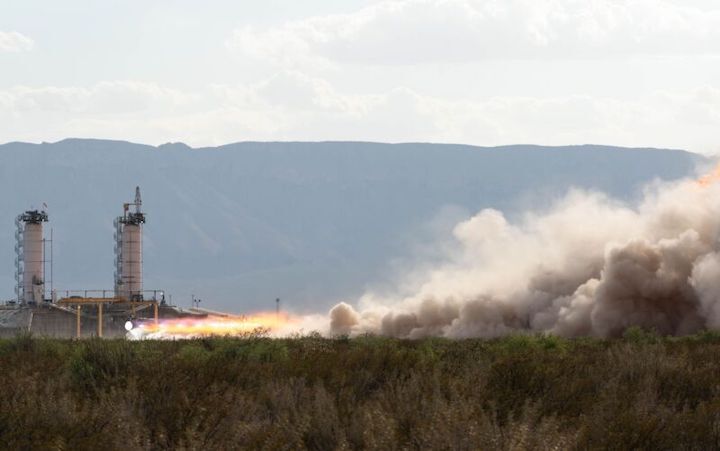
{"points": [[588, 266]]}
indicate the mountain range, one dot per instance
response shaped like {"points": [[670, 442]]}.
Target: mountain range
{"points": [[311, 223]]}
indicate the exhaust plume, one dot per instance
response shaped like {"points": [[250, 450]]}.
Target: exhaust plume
{"points": [[590, 266], [210, 326], [273, 324]]}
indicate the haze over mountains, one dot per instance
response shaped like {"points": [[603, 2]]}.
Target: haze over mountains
{"points": [[311, 223]]}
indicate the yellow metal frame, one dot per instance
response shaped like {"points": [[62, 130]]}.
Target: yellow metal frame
{"points": [[84, 300], [100, 302]]}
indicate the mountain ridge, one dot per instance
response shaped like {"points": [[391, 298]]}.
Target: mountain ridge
{"points": [[309, 222], [181, 144]]}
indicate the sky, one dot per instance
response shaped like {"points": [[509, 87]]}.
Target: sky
{"points": [[485, 72]]}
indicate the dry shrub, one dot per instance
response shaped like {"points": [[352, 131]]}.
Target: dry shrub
{"points": [[524, 392]]}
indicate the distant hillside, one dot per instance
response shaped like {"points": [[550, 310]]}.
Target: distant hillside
{"points": [[242, 224]]}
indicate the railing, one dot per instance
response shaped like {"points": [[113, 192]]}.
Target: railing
{"points": [[145, 295]]}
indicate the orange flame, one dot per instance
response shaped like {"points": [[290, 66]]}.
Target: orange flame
{"points": [[709, 179], [216, 325]]}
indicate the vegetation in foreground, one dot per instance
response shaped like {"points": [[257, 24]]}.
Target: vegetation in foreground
{"points": [[520, 392]]}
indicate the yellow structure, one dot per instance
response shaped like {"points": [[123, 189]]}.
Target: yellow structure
{"points": [[78, 302]]}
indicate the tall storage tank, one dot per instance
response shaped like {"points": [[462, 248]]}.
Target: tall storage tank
{"points": [[31, 256], [132, 260], [128, 247]]}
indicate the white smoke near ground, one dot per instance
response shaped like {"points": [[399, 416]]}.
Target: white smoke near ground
{"points": [[589, 266]]}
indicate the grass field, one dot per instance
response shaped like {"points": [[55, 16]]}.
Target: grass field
{"points": [[519, 392]]}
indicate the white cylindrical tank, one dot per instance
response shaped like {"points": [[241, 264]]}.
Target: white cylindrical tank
{"points": [[131, 261], [34, 262]]}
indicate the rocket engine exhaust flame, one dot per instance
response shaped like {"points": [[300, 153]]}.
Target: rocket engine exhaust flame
{"points": [[589, 266], [710, 178], [263, 323]]}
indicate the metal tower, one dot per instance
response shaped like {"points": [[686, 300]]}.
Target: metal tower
{"points": [[128, 251], [30, 257]]}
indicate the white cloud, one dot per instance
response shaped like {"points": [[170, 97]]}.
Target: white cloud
{"points": [[113, 97], [294, 106], [426, 31], [12, 42]]}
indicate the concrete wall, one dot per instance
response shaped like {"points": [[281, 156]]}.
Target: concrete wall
{"points": [[13, 321], [54, 322], [57, 323]]}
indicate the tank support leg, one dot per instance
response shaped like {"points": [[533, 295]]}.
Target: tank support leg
{"points": [[100, 320]]}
